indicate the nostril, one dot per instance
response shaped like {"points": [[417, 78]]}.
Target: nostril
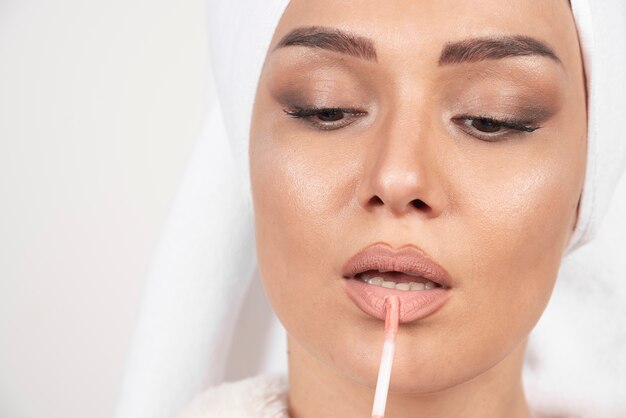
{"points": [[419, 204]]}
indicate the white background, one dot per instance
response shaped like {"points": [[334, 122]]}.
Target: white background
{"points": [[100, 103]]}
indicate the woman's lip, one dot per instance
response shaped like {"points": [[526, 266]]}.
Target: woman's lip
{"points": [[414, 305], [407, 259]]}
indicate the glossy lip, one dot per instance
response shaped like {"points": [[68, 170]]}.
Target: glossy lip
{"points": [[408, 259]]}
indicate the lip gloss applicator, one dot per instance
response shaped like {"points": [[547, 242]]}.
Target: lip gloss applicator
{"points": [[392, 318]]}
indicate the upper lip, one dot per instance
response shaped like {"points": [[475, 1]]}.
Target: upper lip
{"points": [[407, 259]]}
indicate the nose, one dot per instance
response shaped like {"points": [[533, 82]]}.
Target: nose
{"points": [[401, 173]]}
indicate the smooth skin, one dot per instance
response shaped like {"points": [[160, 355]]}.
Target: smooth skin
{"points": [[406, 165]]}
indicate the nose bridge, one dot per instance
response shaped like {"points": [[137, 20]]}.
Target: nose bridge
{"points": [[400, 172]]}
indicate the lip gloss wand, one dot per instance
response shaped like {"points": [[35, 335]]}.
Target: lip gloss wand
{"points": [[392, 314]]}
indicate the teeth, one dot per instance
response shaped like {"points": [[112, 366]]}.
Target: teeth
{"points": [[377, 281], [412, 286], [403, 286], [417, 286]]}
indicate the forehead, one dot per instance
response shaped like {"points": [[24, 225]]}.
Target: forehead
{"points": [[402, 29]]}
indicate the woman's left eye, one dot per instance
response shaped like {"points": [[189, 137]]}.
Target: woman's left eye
{"points": [[326, 118], [488, 128]]}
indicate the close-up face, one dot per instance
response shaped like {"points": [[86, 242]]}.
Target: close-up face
{"points": [[458, 128]]}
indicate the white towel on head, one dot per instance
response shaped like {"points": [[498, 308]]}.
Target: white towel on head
{"points": [[576, 356]]}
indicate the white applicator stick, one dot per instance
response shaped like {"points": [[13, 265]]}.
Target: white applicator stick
{"points": [[392, 314]]}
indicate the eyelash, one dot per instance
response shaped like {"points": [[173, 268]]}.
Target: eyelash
{"points": [[509, 125], [308, 115]]}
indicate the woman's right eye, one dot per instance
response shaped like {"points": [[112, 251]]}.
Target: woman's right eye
{"points": [[326, 118]]}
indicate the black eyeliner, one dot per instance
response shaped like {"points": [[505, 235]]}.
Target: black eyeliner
{"points": [[516, 124], [299, 112]]}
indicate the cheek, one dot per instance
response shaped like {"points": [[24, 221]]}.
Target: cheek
{"points": [[296, 203], [517, 219], [295, 194], [533, 212]]}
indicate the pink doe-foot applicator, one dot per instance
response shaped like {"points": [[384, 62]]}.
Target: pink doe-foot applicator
{"points": [[392, 314]]}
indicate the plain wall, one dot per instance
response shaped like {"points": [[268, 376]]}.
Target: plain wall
{"points": [[100, 103]]}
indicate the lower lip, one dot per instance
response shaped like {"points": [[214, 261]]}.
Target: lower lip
{"points": [[414, 305]]}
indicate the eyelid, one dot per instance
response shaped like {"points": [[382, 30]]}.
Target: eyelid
{"points": [[306, 114], [511, 126], [311, 111]]}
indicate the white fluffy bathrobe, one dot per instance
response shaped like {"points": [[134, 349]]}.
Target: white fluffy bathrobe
{"points": [[576, 360]]}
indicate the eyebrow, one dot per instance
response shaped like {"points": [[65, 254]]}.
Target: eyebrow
{"points": [[331, 39], [480, 49], [465, 51]]}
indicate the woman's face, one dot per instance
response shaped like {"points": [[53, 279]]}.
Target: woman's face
{"points": [[411, 153]]}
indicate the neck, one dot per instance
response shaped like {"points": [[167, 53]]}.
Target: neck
{"points": [[316, 390]]}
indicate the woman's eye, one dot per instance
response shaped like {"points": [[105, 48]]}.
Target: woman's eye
{"points": [[330, 115], [488, 128], [486, 125], [326, 118]]}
